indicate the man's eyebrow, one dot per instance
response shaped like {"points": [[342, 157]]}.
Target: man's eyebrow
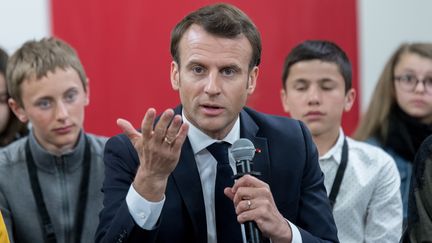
{"points": [[193, 63], [326, 79], [301, 80], [233, 66]]}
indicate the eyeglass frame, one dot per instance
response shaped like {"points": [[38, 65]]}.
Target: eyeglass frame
{"points": [[404, 79]]}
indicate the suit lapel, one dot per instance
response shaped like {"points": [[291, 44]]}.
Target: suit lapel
{"points": [[261, 160], [188, 182]]}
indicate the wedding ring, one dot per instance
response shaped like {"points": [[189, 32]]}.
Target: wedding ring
{"points": [[249, 204], [168, 141]]}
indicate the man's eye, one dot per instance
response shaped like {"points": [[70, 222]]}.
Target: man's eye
{"points": [[228, 71], [198, 69], [71, 96], [43, 104], [327, 87], [300, 87]]}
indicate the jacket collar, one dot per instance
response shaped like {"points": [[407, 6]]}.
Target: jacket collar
{"points": [[49, 162]]}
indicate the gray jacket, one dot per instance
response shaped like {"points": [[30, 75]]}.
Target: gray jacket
{"points": [[59, 178]]}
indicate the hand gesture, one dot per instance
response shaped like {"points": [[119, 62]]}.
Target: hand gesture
{"points": [[158, 149]]}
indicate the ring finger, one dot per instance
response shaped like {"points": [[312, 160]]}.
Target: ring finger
{"points": [[173, 129]]}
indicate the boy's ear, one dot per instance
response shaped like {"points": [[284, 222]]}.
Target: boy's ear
{"points": [[283, 96], [18, 110], [87, 88], [349, 99]]}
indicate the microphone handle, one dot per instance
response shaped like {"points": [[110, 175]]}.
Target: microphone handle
{"points": [[253, 234]]}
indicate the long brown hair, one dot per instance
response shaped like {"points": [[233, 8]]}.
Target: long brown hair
{"points": [[14, 128], [375, 121]]}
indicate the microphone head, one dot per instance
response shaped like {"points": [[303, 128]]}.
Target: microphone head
{"points": [[243, 149]]}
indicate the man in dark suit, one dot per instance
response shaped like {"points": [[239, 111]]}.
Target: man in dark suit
{"points": [[162, 183]]}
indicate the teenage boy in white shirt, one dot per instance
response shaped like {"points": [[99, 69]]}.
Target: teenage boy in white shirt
{"points": [[317, 89]]}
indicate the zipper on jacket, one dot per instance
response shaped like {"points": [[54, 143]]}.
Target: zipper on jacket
{"points": [[61, 167]]}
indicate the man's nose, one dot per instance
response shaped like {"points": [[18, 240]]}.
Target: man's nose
{"points": [[314, 96], [213, 84], [61, 110]]}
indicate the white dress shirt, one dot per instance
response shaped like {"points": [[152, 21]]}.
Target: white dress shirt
{"points": [[146, 214], [368, 207]]}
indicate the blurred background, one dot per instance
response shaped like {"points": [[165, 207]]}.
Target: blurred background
{"points": [[124, 45]]}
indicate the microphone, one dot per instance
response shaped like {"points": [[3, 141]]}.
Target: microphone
{"points": [[243, 152]]}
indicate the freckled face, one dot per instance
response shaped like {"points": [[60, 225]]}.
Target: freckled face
{"points": [[54, 105]]}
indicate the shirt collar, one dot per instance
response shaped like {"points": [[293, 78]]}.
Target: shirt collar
{"points": [[335, 152], [199, 140]]}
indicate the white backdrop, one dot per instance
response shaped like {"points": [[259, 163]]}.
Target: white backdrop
{"points": [[383, 25]]}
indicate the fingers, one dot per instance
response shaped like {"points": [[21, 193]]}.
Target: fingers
{"points": [[173, 130], [128, 130], [248, 187], [147, 123], [169, 130], [181, 136]]}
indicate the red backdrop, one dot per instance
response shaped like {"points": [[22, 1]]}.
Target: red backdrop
{"points": [[124, 46]]}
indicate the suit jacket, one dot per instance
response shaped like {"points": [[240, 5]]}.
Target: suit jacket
{"points": [[288, 162]]}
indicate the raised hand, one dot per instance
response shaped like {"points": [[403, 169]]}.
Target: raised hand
{"points": [[158, 148]]}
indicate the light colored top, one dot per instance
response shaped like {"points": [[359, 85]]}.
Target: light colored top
{"points": [[368, 207], [146, 214]]}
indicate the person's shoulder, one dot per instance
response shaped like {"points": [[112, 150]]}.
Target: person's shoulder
{"points": [[374, 141], [97, 141], [280, 129], [425, 150], [14, 153], [369, 153], [265, 120]]}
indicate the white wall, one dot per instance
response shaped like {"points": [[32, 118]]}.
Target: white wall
{"points": [[384, 25], [22, 20]]}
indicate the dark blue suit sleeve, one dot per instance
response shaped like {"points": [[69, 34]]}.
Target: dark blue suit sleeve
{"points": [[116, 223], [314, 209]]}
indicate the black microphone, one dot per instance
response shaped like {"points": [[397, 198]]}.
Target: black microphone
{"points": [[243, 152]]}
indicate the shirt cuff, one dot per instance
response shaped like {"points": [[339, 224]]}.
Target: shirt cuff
{"points": [[296, 236], [144, 212]]}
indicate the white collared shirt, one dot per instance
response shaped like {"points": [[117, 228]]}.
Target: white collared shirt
{"points": [[146, 214], [368, 207]]}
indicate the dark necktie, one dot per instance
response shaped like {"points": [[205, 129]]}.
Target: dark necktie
{"points": [[227, 227]]}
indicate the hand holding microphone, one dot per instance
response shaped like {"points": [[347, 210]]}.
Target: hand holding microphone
{"points": [[243, 152], [253, 199]]}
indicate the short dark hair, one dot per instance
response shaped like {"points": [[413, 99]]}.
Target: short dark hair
{"points": [[325, 51], [222, 20]]}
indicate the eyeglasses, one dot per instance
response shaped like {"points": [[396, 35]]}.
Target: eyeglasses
{"points": [[409, 83]]}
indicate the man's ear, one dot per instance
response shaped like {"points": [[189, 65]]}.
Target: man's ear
{"points": [[283, 96], [349, 99], [175, 75], [18, 110], [253, 76], [87, 88]]}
